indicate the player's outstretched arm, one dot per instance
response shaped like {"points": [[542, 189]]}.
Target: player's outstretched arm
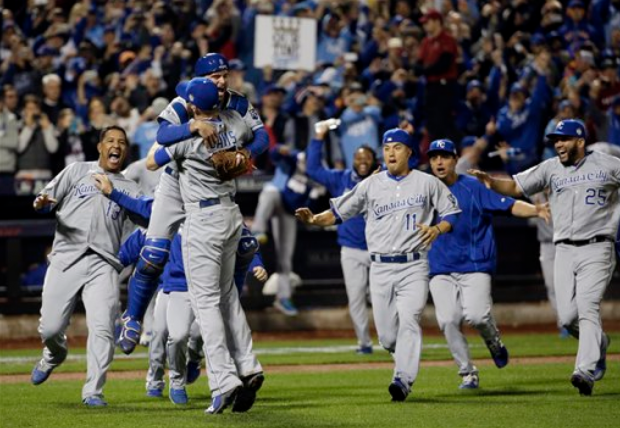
{"points": [[507, 187], [526, 210], [141, 206], [326, 218]]}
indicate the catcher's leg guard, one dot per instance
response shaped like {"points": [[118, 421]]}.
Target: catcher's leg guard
{"points": [[142, 285]]}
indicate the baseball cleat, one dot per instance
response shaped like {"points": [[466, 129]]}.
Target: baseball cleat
{"points": [[398, 390], [582, 382], [222, 401], [178, 396], [94, 401], [470, 381], [498, 352], [247, 394], [364, 350], [155, 393], [601, 364], [193, 372], [286, 307], [129, 336], [40, 372]]}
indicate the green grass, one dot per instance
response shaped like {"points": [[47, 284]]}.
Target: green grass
{"points": [[519, 395], [524, 345], [526, 396]]}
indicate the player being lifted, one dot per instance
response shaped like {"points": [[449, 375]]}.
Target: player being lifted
{"points": [[399, 206], [584, 205], [234, 372], [461, 263], [176, 125]]}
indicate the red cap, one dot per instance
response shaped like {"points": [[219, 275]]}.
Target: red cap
{"points": [[431, 14]]}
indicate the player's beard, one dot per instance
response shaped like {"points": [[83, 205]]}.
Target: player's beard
{"points": [[571, 156]]}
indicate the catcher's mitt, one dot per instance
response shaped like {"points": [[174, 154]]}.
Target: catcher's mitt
{"points": [[227, 165]]}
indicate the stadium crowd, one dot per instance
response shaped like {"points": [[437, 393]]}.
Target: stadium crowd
{"points": [[490, 75]]}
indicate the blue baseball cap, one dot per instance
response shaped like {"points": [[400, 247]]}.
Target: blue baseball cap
{"points": [[443, 146], [576, 3], [573, 128], [398, 135], [236, 65], [181, 89], [210, 63], [203, 93]]}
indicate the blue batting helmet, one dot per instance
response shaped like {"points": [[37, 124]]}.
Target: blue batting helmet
{"points": [[210, 63], [203, 93]]}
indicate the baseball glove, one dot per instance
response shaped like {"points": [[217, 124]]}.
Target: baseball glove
{"points": [[227, 166]]}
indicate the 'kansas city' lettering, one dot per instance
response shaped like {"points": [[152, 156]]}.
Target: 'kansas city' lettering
{"points": [[402, 204], [575, 180]]}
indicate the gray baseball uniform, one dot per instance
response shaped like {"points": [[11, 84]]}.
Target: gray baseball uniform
{"points": [[157, 346], [585, 210], [211, 234], [83, 259], [399, 269]]}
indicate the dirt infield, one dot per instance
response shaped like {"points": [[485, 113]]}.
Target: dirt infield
{"points": [[309, 368]]}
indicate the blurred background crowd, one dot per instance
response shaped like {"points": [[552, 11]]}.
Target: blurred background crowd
{"points": [[490, 75]]}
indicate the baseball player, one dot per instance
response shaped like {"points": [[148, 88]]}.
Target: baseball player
{"points": [[83, 261], [399, 206], [462, 262], [168, 213], [584, 205], [354, 256], [212, 230], [290, 189], [173, 304]]}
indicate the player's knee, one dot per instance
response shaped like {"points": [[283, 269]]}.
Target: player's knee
{"points": [[153, 258], [177, 337], [448, 324], [50, 331], [476, 320], [388, 342]]}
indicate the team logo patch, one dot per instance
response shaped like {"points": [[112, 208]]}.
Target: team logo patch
{"points": [[452, 199], [254, 114]]}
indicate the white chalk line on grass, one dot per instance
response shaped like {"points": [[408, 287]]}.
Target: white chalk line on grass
{"points": [[260, 351]]}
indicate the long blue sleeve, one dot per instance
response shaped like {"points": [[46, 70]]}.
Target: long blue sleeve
{"points": [[316, 171], [259, 144], [141, 206], [541, 95], [168, 134], [130, 250]]}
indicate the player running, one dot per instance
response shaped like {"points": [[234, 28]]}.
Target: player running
{"points": [[462, 262], [584, 205], [399, 206], [83, 261]]}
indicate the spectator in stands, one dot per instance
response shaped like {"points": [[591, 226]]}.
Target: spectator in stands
{"points": [[360, 126], [9, 132], [37, 142], [576, 29], [146, 132], [519, 122], [70, 150], [438, 54], [236, 80], [97, 120], [274, 119], [613, 115], [52, 102], [334, 39], [125, 116], [11, 100]]}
